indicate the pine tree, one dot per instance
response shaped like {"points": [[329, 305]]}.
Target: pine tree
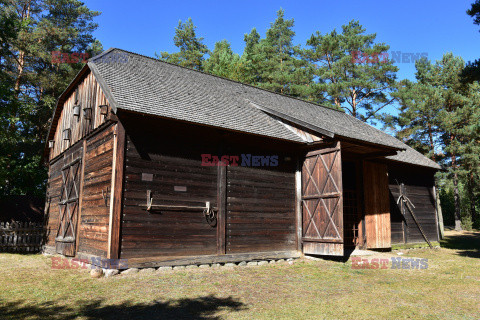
{"points": [[192, 50], [251, 40], [352, 72], [472, 70], [274, 60], [440, 115], [41, 27], [9, 28], [223, 62], [469, 136], [419, 105], [247, 71], [445, 76]]}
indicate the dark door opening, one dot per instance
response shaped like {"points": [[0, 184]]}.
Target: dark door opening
{"points": [[352, 204]]}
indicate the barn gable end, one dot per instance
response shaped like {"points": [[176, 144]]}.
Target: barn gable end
{"points": [[78, 113], [81, 154]]}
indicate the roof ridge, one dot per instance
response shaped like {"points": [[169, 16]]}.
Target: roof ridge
{"points": [[101, 54], [223, 78]]}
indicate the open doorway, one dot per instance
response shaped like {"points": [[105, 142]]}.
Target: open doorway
{"points": [[354, 233]]}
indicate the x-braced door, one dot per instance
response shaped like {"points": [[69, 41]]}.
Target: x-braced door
{"points": [[65, 239], [322, 202]]}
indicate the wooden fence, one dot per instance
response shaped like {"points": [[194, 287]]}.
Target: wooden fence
{"points": [[21, 236]]}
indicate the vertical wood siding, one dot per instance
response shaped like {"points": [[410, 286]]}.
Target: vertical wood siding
{"points": [[54, 185], [54, 189], [260, 210], [94, 217], [89, 95], [419, 189], [322, 201], [377, 205]]}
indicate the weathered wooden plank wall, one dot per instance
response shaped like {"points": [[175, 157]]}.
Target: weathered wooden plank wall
{"points": [[175, 180], [54, 189], [116, 196], [85, 133], [165, 157], [260, 210], [418, 187], [322, 201], [94, 216], [377, 205], [89, 96], [54, 185]]}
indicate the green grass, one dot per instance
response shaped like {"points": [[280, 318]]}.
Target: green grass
{"points": [[414, 245], [448, 289]]}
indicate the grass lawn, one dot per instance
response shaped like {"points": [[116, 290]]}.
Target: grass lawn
{"points": [[325, 289]]}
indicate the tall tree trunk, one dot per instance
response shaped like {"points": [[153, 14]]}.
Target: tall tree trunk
{"points": [[456, 193], [21, 53], [432, 144], [438, 205], [471, 196], [21, 63], [354, 103], [456, 197]]}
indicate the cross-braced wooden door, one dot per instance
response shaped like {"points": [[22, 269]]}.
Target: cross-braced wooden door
{"points": [[322, 202], [65, 239]]}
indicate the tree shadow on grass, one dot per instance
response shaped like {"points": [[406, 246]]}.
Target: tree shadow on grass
{"points": [[196, 309], [468, 244]]}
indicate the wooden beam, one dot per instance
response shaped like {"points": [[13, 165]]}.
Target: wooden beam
{"points": [[380, 154], [116, 192], [325, 147], [80, 201], [368, 144], [401, 190], [222, 208], [323, 240]]}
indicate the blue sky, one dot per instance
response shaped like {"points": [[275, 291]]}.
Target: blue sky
{"points": [[421, 26]]}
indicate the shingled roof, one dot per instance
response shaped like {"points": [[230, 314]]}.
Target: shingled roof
{"points": [[142, 84], [412, 156]]}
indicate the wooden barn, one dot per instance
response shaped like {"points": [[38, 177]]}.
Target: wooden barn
{"points": [[162, 165]]}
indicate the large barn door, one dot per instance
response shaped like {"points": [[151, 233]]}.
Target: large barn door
{"points": [[322, 202], [68, 207]]}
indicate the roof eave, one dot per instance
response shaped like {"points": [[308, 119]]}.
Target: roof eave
{"points": [[439, 168], [103, 85]]}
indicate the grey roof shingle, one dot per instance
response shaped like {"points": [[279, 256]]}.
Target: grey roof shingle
{"points": [[412, 156], [142, 84]]}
